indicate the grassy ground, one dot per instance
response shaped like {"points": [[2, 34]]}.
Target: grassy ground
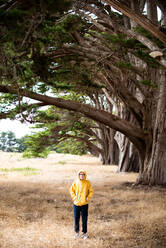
{"points": [[36, 209]]}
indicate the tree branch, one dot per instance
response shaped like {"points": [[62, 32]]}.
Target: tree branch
{"points": [[139, 19], [135, 134], [83, 139]]}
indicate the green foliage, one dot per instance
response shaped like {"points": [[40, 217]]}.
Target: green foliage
{"points": [[66, 27], [142, 31], [148, 59], [68, 146], [57, 125], [26, 69], [34, 153], [149, 83], [54, 6], [74, 96], [21, 146], [50, 115], [37, 145], [70, 23], [122, 40], [63, 86], [113, 38], [87, 35], [9, 142], [148, 35], [40, 51], [126, 65], [26, 27]]}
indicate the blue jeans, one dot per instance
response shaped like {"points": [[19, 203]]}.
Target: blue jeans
{"points": [[83, 210]]}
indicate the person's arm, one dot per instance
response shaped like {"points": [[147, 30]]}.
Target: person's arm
{"points": [[90, 194], [73, 192]]}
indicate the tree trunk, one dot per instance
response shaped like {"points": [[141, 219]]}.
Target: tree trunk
{"points": [[162, 6], [134, 7], [126, 21], [141, 5], [154, 169], [110, 151], [139, 19], [152, 11], [113, 149], [128, 155]]}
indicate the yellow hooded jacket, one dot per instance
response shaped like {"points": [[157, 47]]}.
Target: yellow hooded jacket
{"points": [[81, 191]]}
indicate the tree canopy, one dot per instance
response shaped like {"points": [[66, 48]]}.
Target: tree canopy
{"points": [[91, 49], [9, 142]]}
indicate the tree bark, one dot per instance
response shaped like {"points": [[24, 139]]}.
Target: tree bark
{"points": [[162, 6], [135, 8], [128, 155], [154, 169], [110, 151], [152, 11], [139, 19], [142, 5], [126, 21]]}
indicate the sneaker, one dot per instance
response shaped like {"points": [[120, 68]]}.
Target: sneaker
{"points": [[76, 236], [84, 236]]}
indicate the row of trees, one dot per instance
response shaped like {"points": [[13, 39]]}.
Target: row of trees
{"points": [[32, 145], [97, 63], [9, 142]]}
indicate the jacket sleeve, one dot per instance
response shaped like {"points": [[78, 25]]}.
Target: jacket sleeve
{"points": [[90, 194], [72, 191]]}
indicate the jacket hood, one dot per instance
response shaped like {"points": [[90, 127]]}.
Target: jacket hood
{"points": [[83, 172]]}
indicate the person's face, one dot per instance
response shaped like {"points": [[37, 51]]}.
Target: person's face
{"points": [[81, 176]]}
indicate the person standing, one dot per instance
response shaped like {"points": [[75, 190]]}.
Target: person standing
{"points": [[81, 192]]}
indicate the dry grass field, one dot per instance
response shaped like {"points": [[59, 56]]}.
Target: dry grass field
{"points": [[36, 208]]}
